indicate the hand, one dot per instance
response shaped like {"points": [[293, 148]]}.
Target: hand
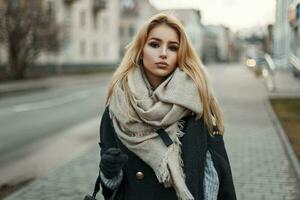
{"points": [[112, 161]]}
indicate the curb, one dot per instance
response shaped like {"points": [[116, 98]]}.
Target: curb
{"points": [[284, 139], [16, 91]]}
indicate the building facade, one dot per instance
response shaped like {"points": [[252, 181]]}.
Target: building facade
{"points": [[133, 14], [218, 43], [286, 36], [90, 32], [294, 22], [191, 19], [282, 33]]}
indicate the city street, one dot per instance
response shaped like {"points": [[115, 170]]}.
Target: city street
{"points": [[57, 58], [260, 166]]}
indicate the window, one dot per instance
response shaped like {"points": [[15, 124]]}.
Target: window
{"points": [[122, 31], [82, 19], [106, 49], [105, 24], [68, 16], [131, 31], [50, 10], [95, 22], [95, 49], [82, 48]]}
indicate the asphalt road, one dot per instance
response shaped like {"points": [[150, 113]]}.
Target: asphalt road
{"points": [[34, 125]]}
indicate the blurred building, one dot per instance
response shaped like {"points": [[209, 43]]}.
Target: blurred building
{"points": [[218, 44], [286, 37], [96, 33], [281, 34], [294, 22], [268, 40], [2, 48], [90, 32], [191, 20], [133, 13], [233, 46]]}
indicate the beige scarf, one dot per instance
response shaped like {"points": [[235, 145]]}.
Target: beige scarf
{"points": [[150, 110]]}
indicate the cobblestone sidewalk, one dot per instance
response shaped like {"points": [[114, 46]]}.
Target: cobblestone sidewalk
{"points": [[71, 181]]}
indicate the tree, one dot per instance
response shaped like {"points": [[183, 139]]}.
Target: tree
{"points": [[27, 29]]}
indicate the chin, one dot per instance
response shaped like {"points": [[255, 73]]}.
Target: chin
{"points": [[162, 73]]}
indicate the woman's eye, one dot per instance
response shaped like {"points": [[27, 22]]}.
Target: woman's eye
{"points": [[154, 44], [173, 48]]}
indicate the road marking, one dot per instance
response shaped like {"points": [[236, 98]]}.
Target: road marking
{"points": [[47, 103], [50, 103]]}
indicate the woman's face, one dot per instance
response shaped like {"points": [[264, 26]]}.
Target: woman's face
{"points": [[160, 53]]}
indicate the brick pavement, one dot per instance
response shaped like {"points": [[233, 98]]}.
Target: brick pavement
{"points": [[72, 181], [260, 167]]}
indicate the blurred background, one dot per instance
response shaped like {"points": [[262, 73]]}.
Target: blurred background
{"points": [[56, 60]]}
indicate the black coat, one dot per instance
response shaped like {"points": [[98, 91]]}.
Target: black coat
{"points": [[195, 142]]}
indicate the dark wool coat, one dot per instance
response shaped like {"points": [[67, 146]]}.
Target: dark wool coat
{"points": [[195, 142]]}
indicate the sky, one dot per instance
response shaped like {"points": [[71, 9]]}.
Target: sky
{"points": [[236, 14]]}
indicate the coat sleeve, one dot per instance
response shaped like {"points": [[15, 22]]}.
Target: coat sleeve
{"points": [[107, 140], [218, 151]]}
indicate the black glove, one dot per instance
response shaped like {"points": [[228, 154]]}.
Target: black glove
{"points": [[112, 161]]}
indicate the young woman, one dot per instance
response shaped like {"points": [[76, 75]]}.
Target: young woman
{"points": [[161, 135]]}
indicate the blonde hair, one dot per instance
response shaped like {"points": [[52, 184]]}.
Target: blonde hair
{"points": [[188, 61]]}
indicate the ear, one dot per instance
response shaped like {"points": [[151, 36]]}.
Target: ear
{"points": [[141, 58]]}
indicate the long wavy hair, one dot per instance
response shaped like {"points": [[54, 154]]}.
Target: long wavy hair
{"points": [[188, 61]]}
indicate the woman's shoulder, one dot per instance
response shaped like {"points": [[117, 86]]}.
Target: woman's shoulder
{"points": [[193, 118], [106, 122], [106, 113]]}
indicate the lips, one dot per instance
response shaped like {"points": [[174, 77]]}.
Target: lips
{"points": [[161, 64]]}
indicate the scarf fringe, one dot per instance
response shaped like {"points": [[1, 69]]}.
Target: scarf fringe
{"points": [[163, 174], [180, 125], [181, 194], [180, 133], [184, 195]]}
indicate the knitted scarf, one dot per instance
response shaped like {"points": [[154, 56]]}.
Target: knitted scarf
{"points": [[150, 110]]}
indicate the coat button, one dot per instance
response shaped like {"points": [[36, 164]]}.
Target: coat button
{"points": [[139, 175]]}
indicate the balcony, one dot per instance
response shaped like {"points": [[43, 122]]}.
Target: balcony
{"points": [[129, 8], [99, 5], [69, 1]]}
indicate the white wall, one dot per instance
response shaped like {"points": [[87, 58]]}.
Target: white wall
{"points": [[91, 39]]}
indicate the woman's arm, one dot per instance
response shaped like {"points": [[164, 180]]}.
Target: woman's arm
{"points": [[107, 140], [216, 146], [107, 132]]}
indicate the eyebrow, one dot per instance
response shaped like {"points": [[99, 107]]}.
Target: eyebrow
{"points": [[154, 38]]}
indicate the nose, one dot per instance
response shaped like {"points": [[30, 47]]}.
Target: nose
{"points": [[163, 53]]}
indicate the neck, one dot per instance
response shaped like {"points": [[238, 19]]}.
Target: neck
{"points": [[154, 81]]}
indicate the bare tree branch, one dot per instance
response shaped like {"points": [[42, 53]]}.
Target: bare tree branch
{"points": [[27, 30]]}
